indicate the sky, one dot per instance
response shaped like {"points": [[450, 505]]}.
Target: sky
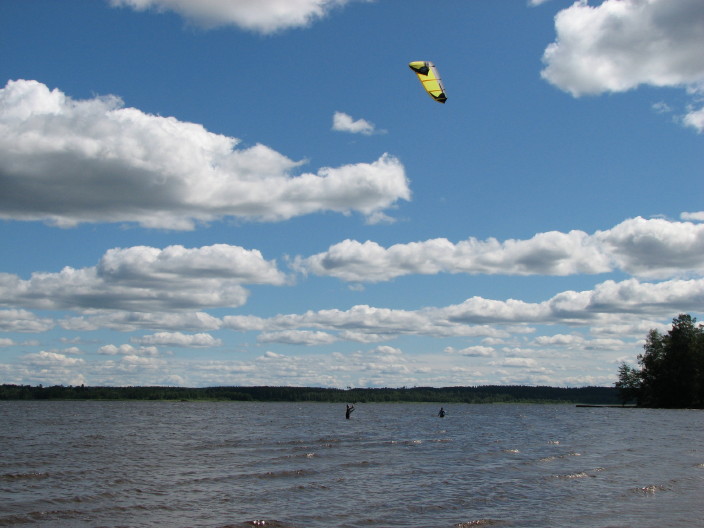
{"points": [[240, 192]]}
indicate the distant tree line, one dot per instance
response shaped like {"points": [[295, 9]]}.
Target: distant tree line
{"points": [[477, 394], [670, 371]]}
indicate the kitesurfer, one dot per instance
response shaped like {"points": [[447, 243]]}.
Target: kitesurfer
{"points": [[441, 413], [349, 410]]}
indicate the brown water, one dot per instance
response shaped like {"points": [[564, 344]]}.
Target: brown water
{"points": [[148, 464]]}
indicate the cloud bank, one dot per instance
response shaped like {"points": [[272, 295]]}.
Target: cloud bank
{"points": [[146, 279], [654, 248], [167, 289], [66, 162], [633, 300]]}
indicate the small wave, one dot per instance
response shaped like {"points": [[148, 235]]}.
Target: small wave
{"points": [[259, 523], [512, 451], [478, 522], [328, 440], [557, 457], [269, 524], [24, 476], [569, 476], [648, 490], [286, 473]]}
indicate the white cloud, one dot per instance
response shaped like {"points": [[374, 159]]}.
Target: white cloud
{"points": [[386, 351], [629, 297], [661, 107], [695, 119], [127, 350], [21, 320], [65, 162], [694, 217], [44, 358], [146, 279], [515, 362], [143, 266], [132, 321], [472, 351], [645, 248], [655, 247], [378, 323], [620, 44], [345, 123], [264, 16], [562, 340], [297, 337], [179, 339], [481, 317]]}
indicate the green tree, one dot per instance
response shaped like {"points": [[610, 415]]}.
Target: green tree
{"points": [[629, 383], [671, 370]]}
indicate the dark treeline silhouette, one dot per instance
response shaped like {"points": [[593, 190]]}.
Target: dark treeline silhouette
{"points": [[478, 394], [671, 368]]}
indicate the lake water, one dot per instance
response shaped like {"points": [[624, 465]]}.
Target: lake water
{"points": [[215, 465]]}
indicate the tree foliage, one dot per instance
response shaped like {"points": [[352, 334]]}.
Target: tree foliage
{"points": [[479, 394], [671, 368]]}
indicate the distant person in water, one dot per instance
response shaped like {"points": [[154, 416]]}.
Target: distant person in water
{"points": [[349, 410], [441, 413]]}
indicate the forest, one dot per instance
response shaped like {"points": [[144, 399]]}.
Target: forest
{"points": [[670, 371], [476, 394]]}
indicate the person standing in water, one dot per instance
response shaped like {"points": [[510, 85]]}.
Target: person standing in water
{"points": [[349, 410], [441, 413]]}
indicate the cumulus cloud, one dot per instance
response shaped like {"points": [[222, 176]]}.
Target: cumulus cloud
{"points": [[45, 358], [127, 350], [179, 339], [297, 337], [645, 248], [481, 317], [146, 279], [621, 44], [478, 316], [654, 248], [694, 217], [21, 320], [630, 297], [345, 123], [517, 362], [378, 324], [66, 161], [472, 351], [132, 321], [562, 340], [264, 16], [695, 119]]}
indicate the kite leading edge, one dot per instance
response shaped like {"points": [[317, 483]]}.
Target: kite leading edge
{"points": [[430, 79]]}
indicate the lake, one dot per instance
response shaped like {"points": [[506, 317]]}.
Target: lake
{"points": [[289, 465]]}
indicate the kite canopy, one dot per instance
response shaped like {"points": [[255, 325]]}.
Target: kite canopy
{"points": [[430, 79]]}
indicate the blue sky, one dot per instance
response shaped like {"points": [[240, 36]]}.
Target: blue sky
{"points": [[241, 193]]}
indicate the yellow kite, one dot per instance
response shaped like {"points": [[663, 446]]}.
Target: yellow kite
{"points": [[428, 76]]}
